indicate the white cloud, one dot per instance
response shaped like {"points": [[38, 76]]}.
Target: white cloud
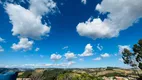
{"points": [[99, 47], [13, 1], [115, 54], [24, 26], [30, 26], [98, 7], [97, 59], [66, 47], [120, 59], [55, 57], [88, 51], [48, 65], [96, 29], [81, 59], [122, 14], [29, 66], [41, 7], [37, 49], [1, 49], [105, 55], [122, 47], [84, 1], [70, 63], [61, 65], [70, 55], [2, 40], [24, 44]]}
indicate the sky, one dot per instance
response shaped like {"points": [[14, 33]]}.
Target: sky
{"points": [[67, 33]]}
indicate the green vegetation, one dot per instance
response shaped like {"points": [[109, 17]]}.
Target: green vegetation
{"points": [[114, 74], [58, 74], [76, 76], [26, 74], [109, 68], [37, 76], [52, 74], [134, 58]]}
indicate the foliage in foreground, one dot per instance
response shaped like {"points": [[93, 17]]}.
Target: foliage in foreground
{"points": [[58, 74], [75, 76], [134, 58]]}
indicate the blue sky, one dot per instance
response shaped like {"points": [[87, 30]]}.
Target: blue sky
{"points": [[67, 33]]}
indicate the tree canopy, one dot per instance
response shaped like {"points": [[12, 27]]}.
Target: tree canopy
{"points": [[133, 58]]}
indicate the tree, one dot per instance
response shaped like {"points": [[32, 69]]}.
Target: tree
{"points": [[134, 58]]}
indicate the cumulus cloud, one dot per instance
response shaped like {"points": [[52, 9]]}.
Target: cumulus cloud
{"points": [[97, 59], [37, 49], [55, 57], [122, 14], [122, 47], [1, 49], [42, 7], [70, 55], [31, 26], [105, 55], [94, 29], [2, 40], [24, 26], [84, 1], [88, 51], [12, 1], [99, 47], [24, 44]]}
